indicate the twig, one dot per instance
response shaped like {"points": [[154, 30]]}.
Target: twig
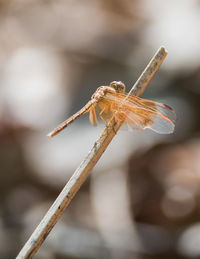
{"points": [[81, 173]]}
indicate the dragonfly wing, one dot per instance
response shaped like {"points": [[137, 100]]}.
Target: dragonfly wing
{"points": [[141, 113], [93, 117], [152, 121], [162, 109]]}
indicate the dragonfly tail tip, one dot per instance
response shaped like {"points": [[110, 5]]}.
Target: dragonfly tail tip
{"points": [[50, 135]]}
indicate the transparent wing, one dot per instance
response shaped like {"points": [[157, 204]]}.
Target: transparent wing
{"points": [[141, 113], [93, 116]]}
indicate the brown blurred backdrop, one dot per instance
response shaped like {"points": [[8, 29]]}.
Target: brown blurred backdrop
{"points": [[142, 200]]}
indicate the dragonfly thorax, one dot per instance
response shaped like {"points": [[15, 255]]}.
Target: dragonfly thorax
{"points": [[118, 86]]}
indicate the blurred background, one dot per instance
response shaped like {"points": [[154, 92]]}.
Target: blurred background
{"points": [[142, 200]]}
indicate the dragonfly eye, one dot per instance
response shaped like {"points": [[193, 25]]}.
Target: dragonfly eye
{"points": [[118, 86]]}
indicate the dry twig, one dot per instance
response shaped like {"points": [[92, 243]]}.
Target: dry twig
{"points": [[81, 173]]}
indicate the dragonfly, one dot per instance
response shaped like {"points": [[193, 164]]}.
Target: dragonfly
{"points": [[137, 113]]}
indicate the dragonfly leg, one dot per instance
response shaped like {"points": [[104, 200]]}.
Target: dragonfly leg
{"points": [[101, 116], [108, 115]]}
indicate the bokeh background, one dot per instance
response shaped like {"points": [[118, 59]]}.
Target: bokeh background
{"points": [[142, 200]]}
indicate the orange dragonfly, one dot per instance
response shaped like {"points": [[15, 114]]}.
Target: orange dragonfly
{"points": [[112, 101]]}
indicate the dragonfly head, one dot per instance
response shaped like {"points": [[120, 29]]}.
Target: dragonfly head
{"points": [[118, 86]]}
